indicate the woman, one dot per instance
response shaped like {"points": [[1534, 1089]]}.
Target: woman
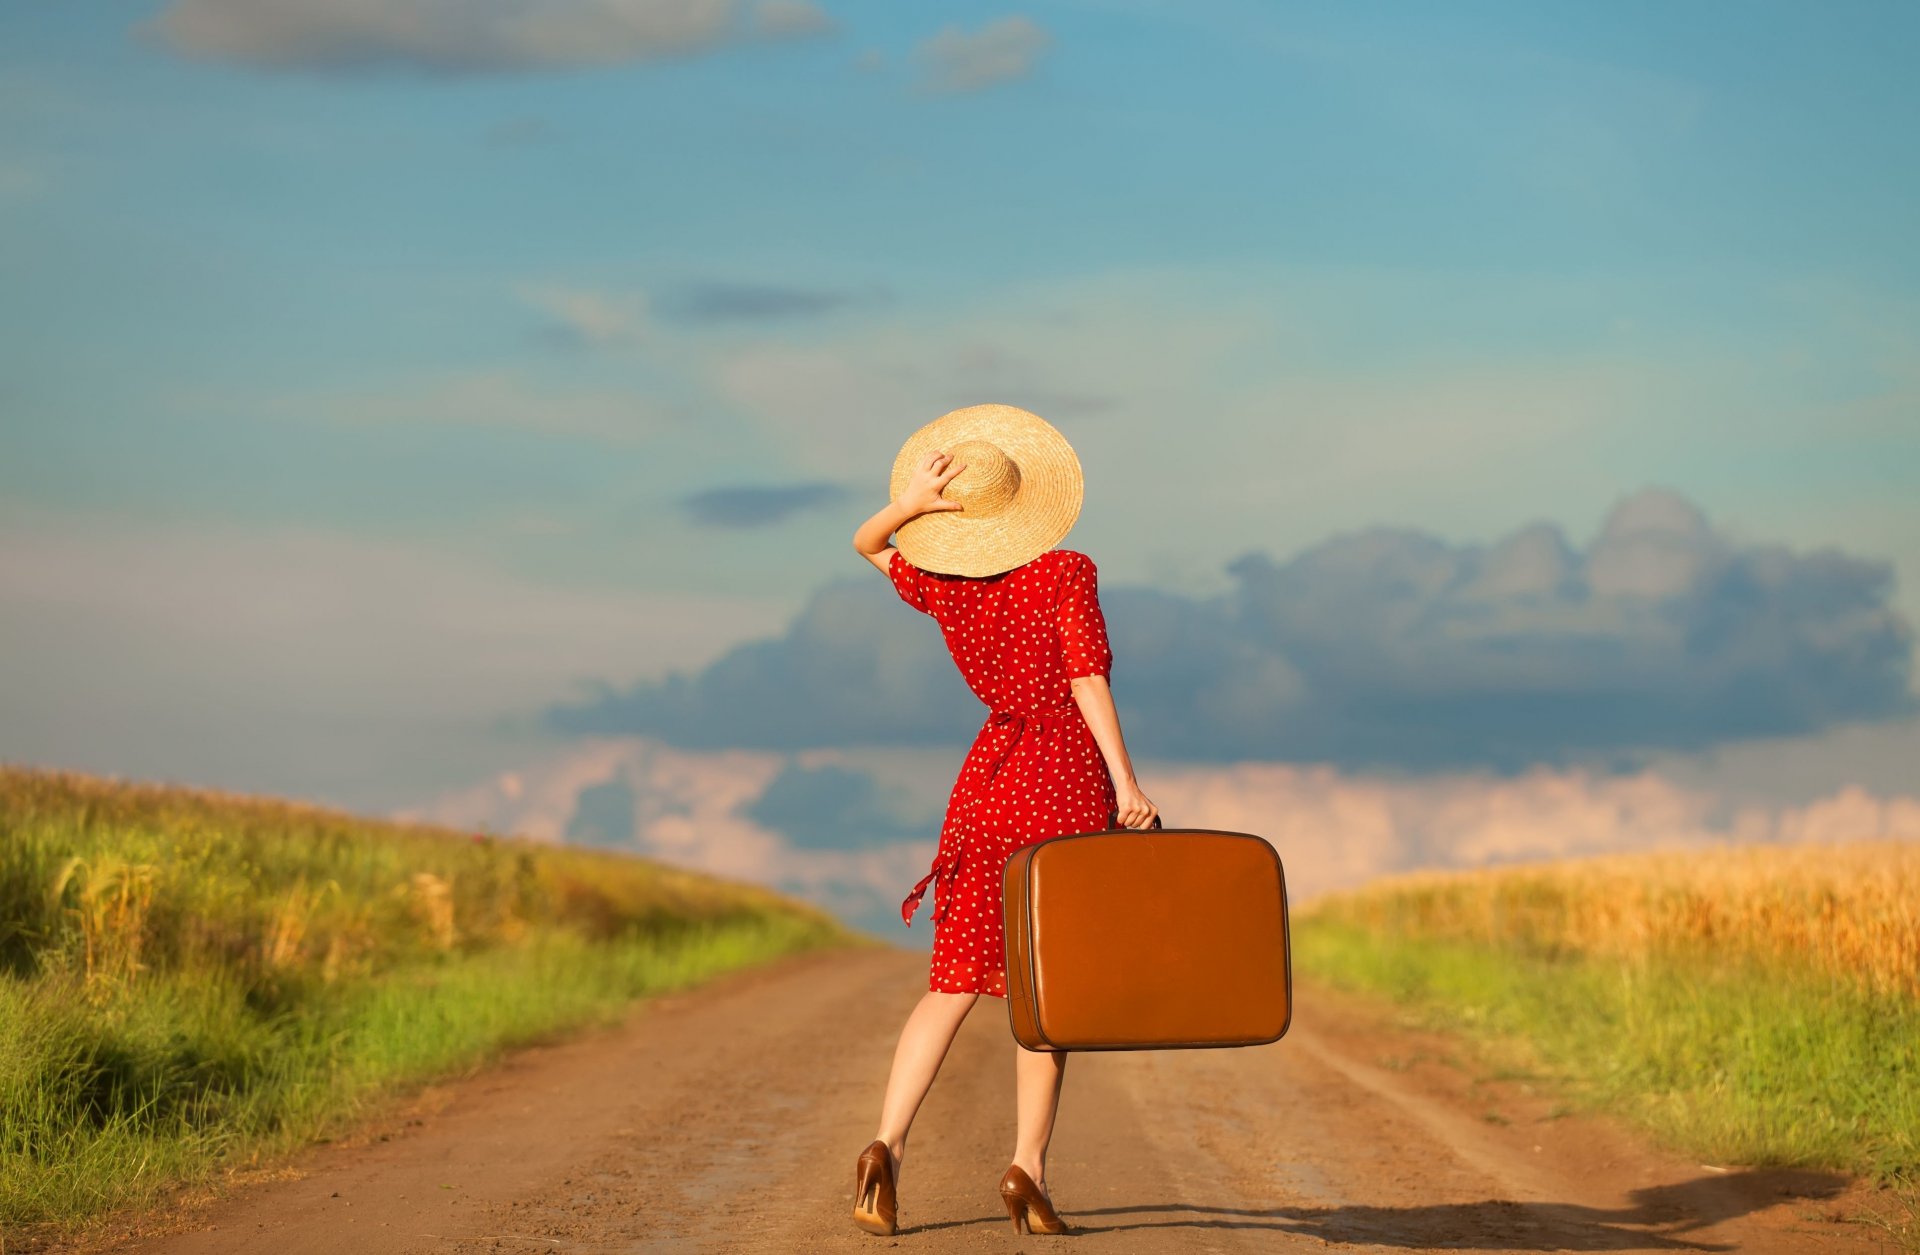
{"points": [[980, 496]]}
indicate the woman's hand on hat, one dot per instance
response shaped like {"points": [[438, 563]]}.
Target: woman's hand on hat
{"points": [[929, 479]]}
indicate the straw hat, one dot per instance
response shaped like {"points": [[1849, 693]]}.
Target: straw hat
{"points": [[1021, 491]]}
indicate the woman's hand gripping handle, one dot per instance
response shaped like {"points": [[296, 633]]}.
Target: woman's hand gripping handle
{"points": [[1132, 808], [1113, 821]]}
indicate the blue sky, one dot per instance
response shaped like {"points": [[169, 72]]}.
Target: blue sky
{"points": [[377, 378]]}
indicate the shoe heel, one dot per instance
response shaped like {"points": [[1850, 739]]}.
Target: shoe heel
{"points": [[1029, 1208], [873, 1192]]}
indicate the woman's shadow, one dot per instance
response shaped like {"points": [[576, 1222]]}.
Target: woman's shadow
{"points": [[1657, 1219]]}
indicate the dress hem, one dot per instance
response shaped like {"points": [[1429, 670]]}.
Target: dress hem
{"points": [[984, 993]]}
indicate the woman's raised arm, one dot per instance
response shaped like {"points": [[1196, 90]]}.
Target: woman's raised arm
{"points": [[921, 494]]}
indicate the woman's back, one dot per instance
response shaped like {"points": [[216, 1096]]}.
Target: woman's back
{"points": [[1021, 637]]}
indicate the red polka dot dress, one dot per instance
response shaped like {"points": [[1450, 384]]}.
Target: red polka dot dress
{"points": [[1034, 770]]}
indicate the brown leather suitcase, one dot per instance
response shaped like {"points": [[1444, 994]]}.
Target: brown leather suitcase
{"points": [[1147, 939]]}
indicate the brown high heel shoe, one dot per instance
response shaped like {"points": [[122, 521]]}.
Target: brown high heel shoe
{"points": [[1029, 1208], [874, 1207]]}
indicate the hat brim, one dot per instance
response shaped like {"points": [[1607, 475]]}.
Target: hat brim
{"points": [[1042, 512]]}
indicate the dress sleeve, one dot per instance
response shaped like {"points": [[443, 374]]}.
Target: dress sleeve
{"points": [[1083, 629], [909, 581]]}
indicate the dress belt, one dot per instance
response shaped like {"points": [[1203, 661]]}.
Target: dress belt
{"points": [[1020, 721], [946, 862]]}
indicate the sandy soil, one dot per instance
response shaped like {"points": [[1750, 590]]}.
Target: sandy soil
{"points": [[728, 1119]]}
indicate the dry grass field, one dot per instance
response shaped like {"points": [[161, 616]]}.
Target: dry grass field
{"points": [[191, 980], [1752, 1005], [1847, 912]]}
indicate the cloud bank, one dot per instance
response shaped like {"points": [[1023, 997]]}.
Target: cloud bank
{"points": [[1383, 648], [854, 830], [472, 36], [726, 813], [847, 672]]}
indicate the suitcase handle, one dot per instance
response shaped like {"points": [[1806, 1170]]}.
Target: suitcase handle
{"points": [[1113, 823]]}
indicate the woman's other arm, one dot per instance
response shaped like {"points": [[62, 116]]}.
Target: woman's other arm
{"points": [[1095, 698], [921, 494]]}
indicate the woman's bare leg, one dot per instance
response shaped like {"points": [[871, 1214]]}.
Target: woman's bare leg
{"points": [[1036, 1081], [923, 1046]]}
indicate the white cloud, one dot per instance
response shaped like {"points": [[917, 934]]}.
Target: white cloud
{"points": [[468, 36], [597, 319], [960, 61], [1336, 830], [686, 807]]}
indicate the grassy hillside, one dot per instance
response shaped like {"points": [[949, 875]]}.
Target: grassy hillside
{"points": [[192, 980], [1756, 1005]]}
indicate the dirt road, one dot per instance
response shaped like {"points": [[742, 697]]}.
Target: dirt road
{"points": [[728, 1119]]}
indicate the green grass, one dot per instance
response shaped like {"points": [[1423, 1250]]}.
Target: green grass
{"points": [[192, 982], [1736, 1062]]}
